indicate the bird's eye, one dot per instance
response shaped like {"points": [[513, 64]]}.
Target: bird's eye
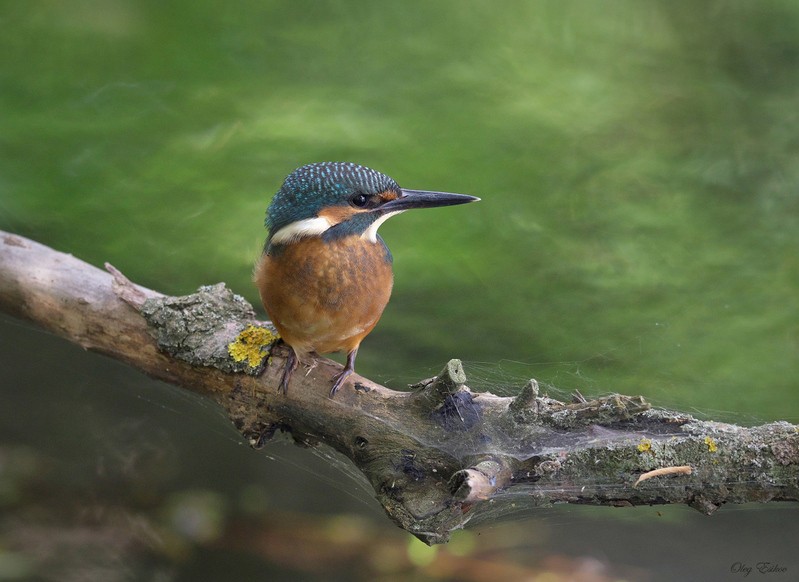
{"points": [[359, 200]]}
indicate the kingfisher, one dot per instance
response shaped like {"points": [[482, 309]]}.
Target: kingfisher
{"points": [[325, 274]]}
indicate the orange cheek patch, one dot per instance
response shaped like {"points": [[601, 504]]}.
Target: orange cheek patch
{"points": [[389, 195]]}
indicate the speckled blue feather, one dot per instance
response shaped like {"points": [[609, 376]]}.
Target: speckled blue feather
{"points": [[310, 188]]}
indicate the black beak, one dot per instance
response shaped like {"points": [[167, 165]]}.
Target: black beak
{"points": [[423, 199]]}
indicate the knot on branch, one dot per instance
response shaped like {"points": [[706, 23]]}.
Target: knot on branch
{"points": [[436, 389], [481, 481]]}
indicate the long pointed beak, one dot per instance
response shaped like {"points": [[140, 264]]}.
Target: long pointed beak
{"points": [[424, 199]]}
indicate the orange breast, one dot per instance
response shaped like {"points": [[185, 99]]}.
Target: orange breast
{"points": [[325, 296]]}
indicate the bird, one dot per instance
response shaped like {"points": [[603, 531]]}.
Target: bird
{"points": [[325, 275]]}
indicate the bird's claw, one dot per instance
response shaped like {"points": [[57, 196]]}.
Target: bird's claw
{"points": [[339, 380]]}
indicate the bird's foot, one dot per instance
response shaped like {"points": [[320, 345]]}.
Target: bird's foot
{"points": [[348, 369], [339, 380], [288, 370]]}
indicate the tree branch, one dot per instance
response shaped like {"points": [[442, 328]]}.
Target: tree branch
{"points": [[434, 455]]}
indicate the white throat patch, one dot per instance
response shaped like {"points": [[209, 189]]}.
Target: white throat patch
{"points": [[370, 233], [301, 228]]}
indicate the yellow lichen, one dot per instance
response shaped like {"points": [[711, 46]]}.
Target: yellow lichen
{"points": [[645, 446], [711, 444], [251, 344]]}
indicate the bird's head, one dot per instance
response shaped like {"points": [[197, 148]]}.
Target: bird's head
{"points": [[337, 199]]}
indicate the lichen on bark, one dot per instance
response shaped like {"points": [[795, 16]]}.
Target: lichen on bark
{"points": [[200, 328]]}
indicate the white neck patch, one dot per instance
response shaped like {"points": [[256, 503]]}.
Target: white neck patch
{"points": [[370, 233], [296, 230]]}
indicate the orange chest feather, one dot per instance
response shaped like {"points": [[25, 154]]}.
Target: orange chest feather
{"points": [[325, 296]]}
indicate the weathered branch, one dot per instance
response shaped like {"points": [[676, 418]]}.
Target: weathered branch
{"points": [[434, 455]]}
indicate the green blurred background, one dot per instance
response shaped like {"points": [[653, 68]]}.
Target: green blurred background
{"points": [[638, 232]]}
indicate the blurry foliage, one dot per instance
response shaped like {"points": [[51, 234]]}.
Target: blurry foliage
{"points": [[637, 163]]}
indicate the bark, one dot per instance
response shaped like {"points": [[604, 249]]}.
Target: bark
{"points": [[436, 455]]}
